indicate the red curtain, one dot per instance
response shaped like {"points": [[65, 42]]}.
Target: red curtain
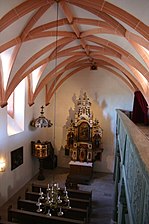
{"points": [[140, 109]]}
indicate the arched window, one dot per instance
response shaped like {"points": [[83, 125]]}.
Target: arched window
{"points": [[16, 110]]}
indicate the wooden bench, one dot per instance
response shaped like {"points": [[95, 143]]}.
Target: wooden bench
{"points": [[73, 213], [73, 193], [80, 194], [27, 217], [7, 222], [74, 202]]}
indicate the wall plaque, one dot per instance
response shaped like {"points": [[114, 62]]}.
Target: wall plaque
{"points": [[16, 158]]}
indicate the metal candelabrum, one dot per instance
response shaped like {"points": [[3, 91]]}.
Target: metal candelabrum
{"points": [[53, 201]]}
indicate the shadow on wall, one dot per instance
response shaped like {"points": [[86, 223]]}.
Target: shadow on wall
{"points": [[107, 163], [70, 116], [1, 199], [64, 158]]}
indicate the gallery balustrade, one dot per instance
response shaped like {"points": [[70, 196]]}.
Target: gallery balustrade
{"points": [[131, 173]]}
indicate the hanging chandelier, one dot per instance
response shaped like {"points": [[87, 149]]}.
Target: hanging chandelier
{"points": [[41, 121], [53, 201]]}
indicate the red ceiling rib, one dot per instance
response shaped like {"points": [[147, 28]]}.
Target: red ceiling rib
{"points": [[88, 45], [22, 10]]}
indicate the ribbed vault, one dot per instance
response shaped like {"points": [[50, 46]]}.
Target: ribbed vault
{"points": [[89, 33]]}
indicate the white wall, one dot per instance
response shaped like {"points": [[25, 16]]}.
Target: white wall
{"points": [[12, 181], [106, 93]]}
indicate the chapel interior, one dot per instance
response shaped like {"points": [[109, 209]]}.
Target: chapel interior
{"points": [[74, 111]]}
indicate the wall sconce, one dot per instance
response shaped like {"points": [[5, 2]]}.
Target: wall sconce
{"points": [[2, 166]]}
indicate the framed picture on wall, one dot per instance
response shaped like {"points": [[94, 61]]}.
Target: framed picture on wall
{"points": [[16, 158]]}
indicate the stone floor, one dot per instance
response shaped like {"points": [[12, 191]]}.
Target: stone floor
{"points": [[102, 187]]}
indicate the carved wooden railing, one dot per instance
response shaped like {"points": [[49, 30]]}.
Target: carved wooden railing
{"points": [[131, 173]]}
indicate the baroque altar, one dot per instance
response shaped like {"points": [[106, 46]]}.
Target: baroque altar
{"points": [[84, 134]]}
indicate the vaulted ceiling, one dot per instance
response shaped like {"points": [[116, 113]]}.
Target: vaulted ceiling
{"points": [[47, 41]]}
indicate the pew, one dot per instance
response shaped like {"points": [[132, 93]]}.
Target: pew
{"points": [[80, 194], [74, 202], [73, 193], [27, 217], [7, 222], [73, 213]]}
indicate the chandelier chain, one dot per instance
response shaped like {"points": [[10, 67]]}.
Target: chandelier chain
{"points": [[56, 53]]}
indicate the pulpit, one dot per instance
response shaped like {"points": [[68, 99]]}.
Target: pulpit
{"points": [[45, 153]]}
